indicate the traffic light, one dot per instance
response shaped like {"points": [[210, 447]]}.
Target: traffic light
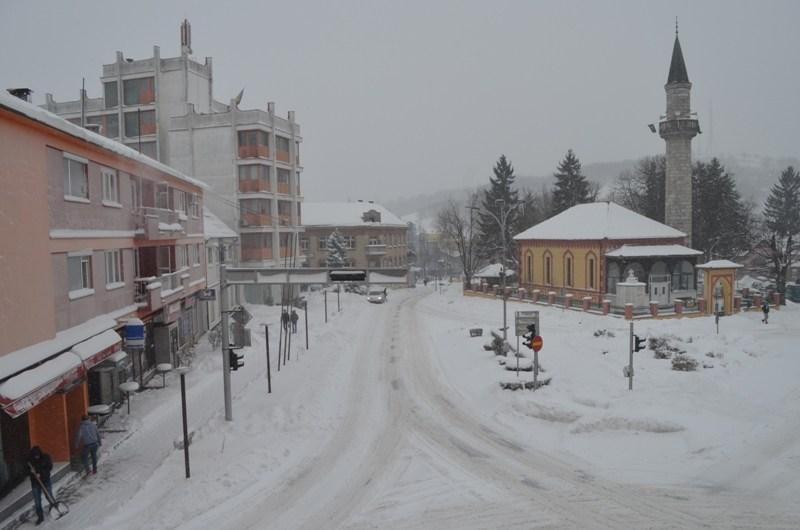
{"points": [[638, 344], [528, 342], [235, 361]]}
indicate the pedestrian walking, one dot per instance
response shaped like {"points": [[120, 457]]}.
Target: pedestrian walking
{"points": [[765, 309], [285, 320], [294, 318], [385, 295], [89, 436], [39, 466]]}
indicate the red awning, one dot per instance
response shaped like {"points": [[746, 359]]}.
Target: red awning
{"points": [[24, 391], [27, 389]]}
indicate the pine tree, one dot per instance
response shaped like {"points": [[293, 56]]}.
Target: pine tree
{"points": [[571, 185], [721, 221], [337, 253], [493, 211], [782, 223]]}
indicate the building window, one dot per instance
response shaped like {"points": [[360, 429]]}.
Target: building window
{"points": [[180, 256], [374, 241], [283, 180], [323, 243], [591, 273], [253, 144], [210, 253], [178, 201], [76, 177], [148, 149], [281, 143], [110, 92], [349, 242], [140, 123], [79, 269], [548, 279], [529, 267], [139, 91], [113, 267], [304, 244], [568, 271], [110, 185], [109, 124]]}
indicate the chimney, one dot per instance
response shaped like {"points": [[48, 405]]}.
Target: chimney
{"points": [[25, 94], [271, 107], [186, 37], [291, 116]]}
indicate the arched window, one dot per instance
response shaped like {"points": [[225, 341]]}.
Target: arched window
{"points": [[683, 276], [529, 267], [568, 269], [548, 263], [591, 270]]}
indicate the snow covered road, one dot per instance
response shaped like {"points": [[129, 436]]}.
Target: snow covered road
{"points": [[388, 422]]}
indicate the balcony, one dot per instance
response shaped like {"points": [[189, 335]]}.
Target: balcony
{"points": [[253, 151], [154, 292], [283, 156], [254, 185], [159, 224], [376, 249], [678, 127], [284, 219], [283, 187], [255, 219], [256, 253]]}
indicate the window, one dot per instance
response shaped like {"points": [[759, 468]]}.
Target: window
{"points": [[323, 243], [113, 268], [148, 149], [281, 143], [110, 185], [178, 201], [529, 267], [110, 92], [162, 196], [76, 177], [547, 276], [144, 121], [304, 244], [349, 242], [211, 253], [194, 257], [374, 241], [591, 273], [568, 271], [253, 144], [136, 199], [79, 269], [109, 124], [136, 272], [139, 91], [180, 256]]}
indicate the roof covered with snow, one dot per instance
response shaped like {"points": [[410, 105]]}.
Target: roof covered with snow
{"points": [[45, 117], [720, 264], [347, 214], [214, 228], [599, 220], [644, 251]]}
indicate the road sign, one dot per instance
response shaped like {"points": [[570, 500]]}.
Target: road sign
{"points": [[522, 319], [207, 294], [537, 343], [241, 315]]}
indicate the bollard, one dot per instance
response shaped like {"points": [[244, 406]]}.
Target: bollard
{"points": [[521, 293], [776, 300], [587, 303], [629, 311], [701, 305], [606, 307], [551, 298], [654, 308], [737, 304], [568, 300], [757, 301], [679, 307], [535, 295]]}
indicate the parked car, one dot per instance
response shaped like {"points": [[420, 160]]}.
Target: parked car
{"points": [[376, 297]]}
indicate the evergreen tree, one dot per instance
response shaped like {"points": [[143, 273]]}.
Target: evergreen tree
{"points": [[782, 224], [492, 212], [721, 221], [337, 253], [571, 185]]}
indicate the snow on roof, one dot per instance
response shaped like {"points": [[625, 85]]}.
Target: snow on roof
{"points": [[18, 360], [643, 251], [346, 214], [214, 227], [46, 117], [30, 380], [492, 271], [599, 220], [720, 264], [86, 349]]}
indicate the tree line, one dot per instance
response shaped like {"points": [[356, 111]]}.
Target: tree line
{"points": [[724, 225]]}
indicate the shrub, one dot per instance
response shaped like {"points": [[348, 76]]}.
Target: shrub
{"points": [[663, 348], [684, 363]]}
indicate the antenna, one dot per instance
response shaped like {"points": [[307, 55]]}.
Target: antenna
{"points": [[676, 26]]}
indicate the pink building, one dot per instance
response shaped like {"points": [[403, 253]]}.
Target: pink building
{"points": [[92, 234]]}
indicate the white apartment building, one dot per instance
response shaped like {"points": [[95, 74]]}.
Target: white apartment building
{"points": [[165, 108]]}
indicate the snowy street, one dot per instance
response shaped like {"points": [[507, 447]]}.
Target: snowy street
{"points": [[394, 419]]}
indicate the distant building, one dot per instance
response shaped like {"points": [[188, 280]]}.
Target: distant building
{"points": [[93, 234], [165, 108], [374, 236], [220, 249]]}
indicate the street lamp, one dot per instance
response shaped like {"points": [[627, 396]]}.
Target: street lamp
{"points": [[502, 222]]}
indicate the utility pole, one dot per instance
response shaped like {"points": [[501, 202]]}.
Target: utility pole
{"points": [[630, 363], [226, 367], [305, 318], [269, 375], [325, 296]]}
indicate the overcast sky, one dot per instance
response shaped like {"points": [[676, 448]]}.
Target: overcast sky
{"points": [[395, 98]]}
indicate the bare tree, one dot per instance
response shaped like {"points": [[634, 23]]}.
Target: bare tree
{"points": [[455, 222]]}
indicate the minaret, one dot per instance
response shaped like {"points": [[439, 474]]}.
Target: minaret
{"points": [[677, 129]]}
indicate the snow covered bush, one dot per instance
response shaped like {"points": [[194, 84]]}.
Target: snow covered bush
{"points": [[663, 348], [684, 363], [604, 333], [499, 346]]}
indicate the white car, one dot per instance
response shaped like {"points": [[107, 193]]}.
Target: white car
{"points": [[376, 297]]}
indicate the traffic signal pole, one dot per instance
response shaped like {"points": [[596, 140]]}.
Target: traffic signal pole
{"points": [[226, 368], [630, 363]]}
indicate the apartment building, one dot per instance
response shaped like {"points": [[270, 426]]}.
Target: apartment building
{"points": [[374, 237], [165, 108], [93, 234]]}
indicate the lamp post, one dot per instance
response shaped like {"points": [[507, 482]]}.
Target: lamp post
{"points": [[183, 370], [502, 222]]}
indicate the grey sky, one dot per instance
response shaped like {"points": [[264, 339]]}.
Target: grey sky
{"points": [[398, 97]]}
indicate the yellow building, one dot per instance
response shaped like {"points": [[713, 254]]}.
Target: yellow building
{"points": [[589, 248]]}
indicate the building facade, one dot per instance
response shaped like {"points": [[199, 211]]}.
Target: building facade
{"points": [[94, 234], [250, 159], [677, 127], [374, 237]]}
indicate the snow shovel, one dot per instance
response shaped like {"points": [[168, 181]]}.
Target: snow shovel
{"points": [[60, 507]]}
